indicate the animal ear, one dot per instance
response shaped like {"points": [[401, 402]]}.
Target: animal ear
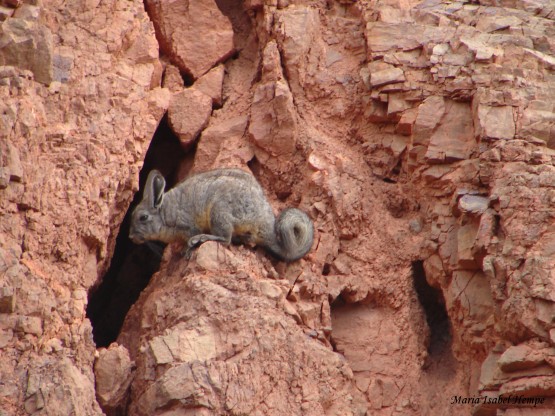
{"points": [[154, 189]]}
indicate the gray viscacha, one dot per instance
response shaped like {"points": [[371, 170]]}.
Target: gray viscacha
{"points": [[221, 205]]}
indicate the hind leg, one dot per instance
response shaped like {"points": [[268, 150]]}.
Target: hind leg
{"points": [[221, 229]]}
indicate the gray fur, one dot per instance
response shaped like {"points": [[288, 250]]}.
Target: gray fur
{"points": [[222, 205]]}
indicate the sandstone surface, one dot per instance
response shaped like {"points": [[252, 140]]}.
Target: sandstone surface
{"points": [[417, 135]]}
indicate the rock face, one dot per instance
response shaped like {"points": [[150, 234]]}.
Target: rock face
{"points": [[243, 344], [194, 34], [78, 110], [417, 135]]}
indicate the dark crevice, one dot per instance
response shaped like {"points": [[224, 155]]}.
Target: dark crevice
{"points": [[133, 265], [397, 168], [254, 166], [188, 79], [433, 303], [338, 302], [335, 304]]}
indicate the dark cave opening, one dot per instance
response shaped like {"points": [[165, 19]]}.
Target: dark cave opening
{"points": [[433, 303], [132, 265]]}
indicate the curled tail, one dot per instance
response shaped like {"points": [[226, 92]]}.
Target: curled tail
{"points": [[294, 233]]}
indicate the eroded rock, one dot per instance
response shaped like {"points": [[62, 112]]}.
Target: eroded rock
{"points": [[195, 34], [27, 45], [112, 370], [188, 114]]}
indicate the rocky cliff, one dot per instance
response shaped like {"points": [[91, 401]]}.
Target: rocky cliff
{"points": [[419, 136]]}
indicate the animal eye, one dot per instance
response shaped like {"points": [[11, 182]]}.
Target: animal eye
{"points": [[143, 218]]}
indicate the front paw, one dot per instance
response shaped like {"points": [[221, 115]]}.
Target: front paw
{"points": [[194, 242]]}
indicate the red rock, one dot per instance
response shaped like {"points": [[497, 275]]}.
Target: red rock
{"points": [[386, 36], [453, 139], [496, 122], [273, 123], [406, 123], [27, 11], [429, 115], [469, 292], [540, 386], [536, 121], [473, 204], [195, 34], [223, 138], [520, 357], [27, 45], [173, 79], [211, 84], [112, 375], [386, 76], [188, 114]]}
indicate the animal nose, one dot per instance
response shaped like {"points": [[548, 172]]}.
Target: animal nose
{"points": [[135, 238]]}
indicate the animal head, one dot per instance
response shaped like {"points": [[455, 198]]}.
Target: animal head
{"points": [[146, 221]]}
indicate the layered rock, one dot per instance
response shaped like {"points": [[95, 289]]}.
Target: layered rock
{"points": [[225, 328], [78, 108]]}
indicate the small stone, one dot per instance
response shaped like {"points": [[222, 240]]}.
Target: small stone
{"points": [[428, 116], [466, 238], [14, 164], [207, 255], [173, 79], [406, 123], [223, 136], [53, 344], [387, 76], [112, 371], [453, 139], [309, 313], [6, 335], [62, 66], [415, 226], [547, 60], [291, 311], [440, 49], [270, 290], [489, 371], [473, 204], [188, 114], [29, 325], [538, 387]]}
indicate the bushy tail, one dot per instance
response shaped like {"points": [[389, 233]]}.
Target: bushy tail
{"points": [[294, 235]]}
